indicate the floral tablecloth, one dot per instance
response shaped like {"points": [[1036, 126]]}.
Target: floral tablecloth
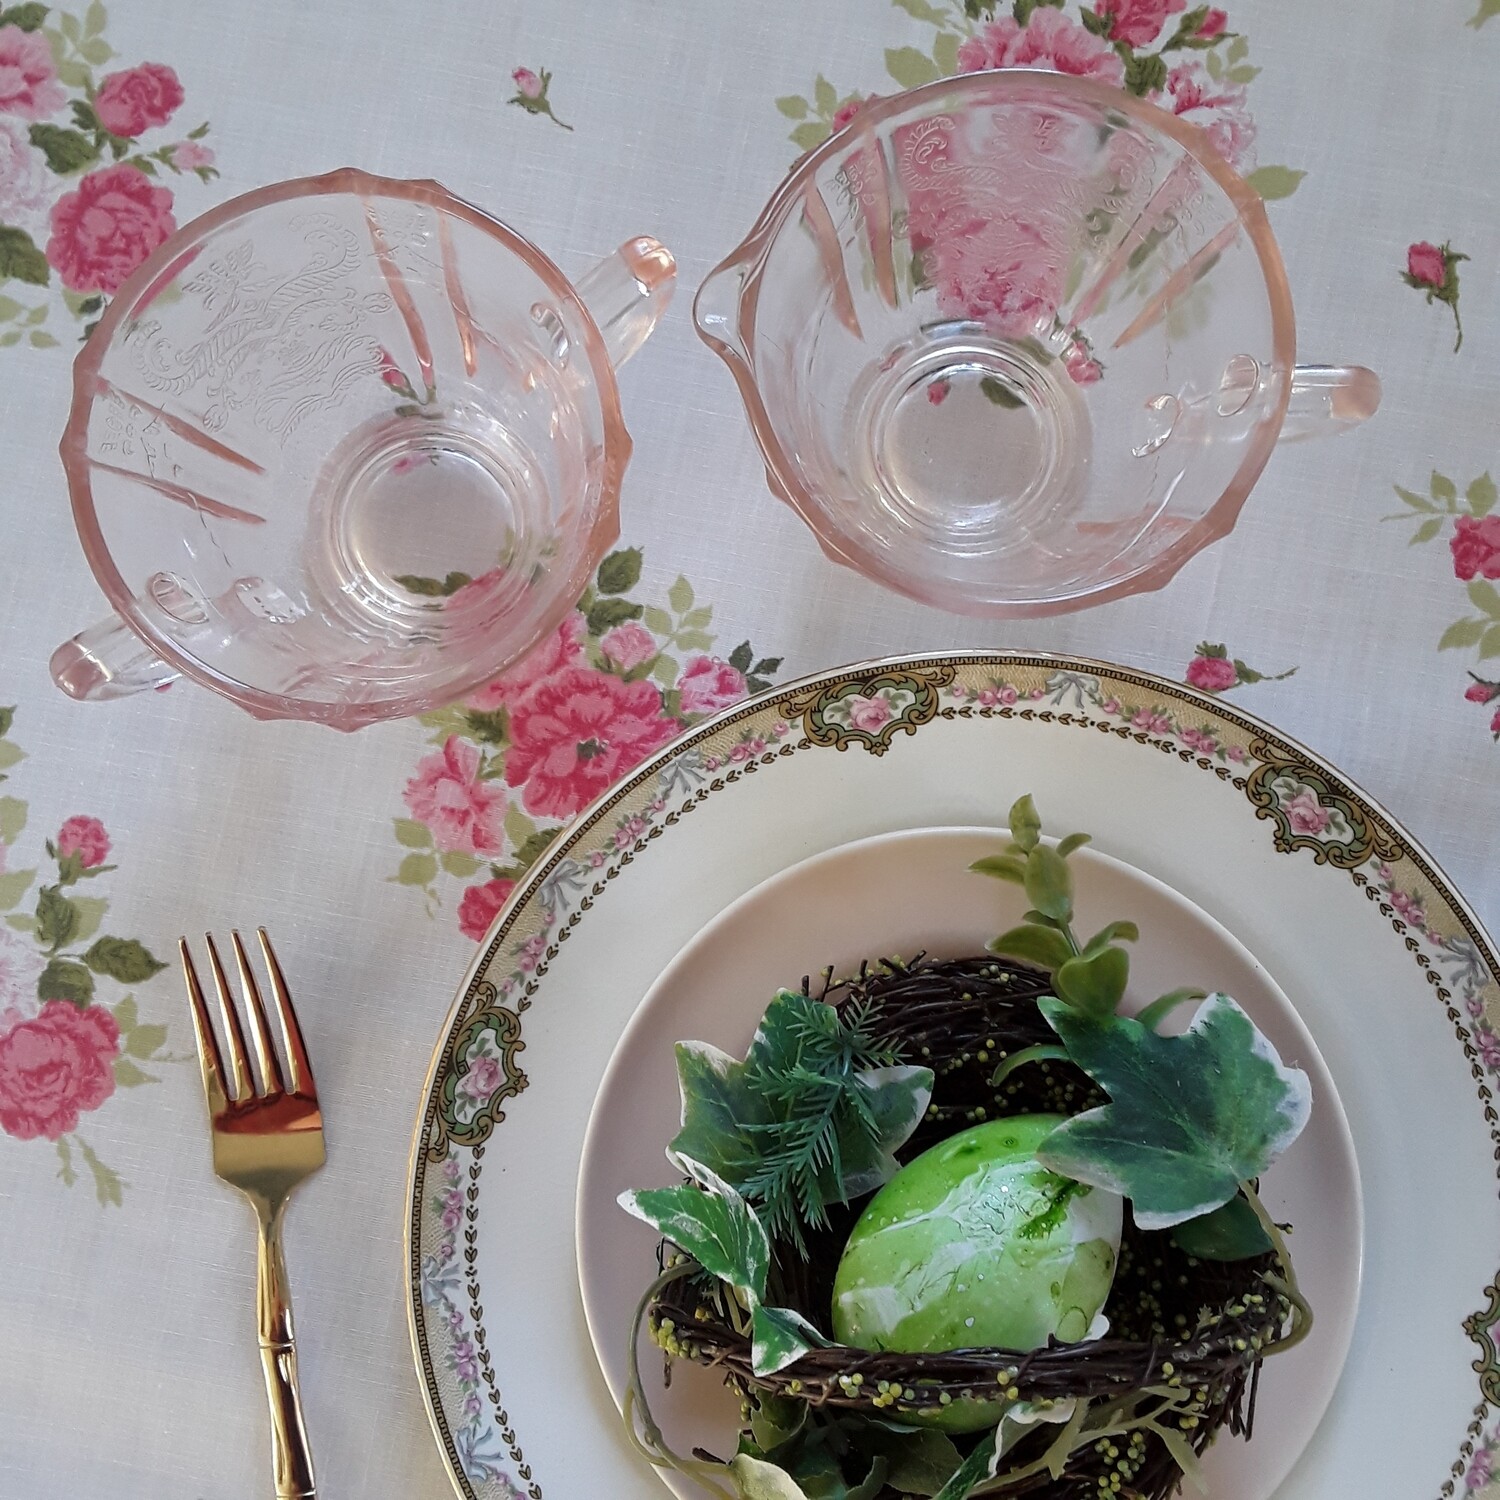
{"points": [[1355, 605]]}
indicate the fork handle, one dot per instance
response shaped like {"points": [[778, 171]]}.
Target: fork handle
{"points": [[291, 1457]]}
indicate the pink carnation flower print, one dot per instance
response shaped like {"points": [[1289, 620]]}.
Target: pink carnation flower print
{"points": [[576, 733], [463, 812], [1049, 40], [708, 684], [1137, 23], [54, 1067], [1218, 109], [86, 838], [562, 649], [28, 80], [105, 228], [138, 99]]}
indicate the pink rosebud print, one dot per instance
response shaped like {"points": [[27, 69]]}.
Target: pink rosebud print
{"points": [[708, 684], [1476, 547], [1137, 23], [190, 155], [628, 645], [937, 392], [851, 107], [870, 714], [134, 101], [1426, 265], [104, 229], [531, 93], [527, 83], [480, 905], [86, 838], [54, 1067], [463, 812], [28, 79], [1211, 673], [1212, 25], [1480, 692]]}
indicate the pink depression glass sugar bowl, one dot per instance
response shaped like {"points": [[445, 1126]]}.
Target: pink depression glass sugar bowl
{"points": [[346, 447], [1015, 343]]}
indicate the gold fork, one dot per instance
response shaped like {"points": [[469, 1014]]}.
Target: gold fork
{"points": [[266, 1140]]}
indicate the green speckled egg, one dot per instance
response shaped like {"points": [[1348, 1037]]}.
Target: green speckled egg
{"points": [[975, 1244]]}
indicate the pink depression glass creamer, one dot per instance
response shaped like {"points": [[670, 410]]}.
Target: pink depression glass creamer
{"points": [[1015, 343], [346, 447]]}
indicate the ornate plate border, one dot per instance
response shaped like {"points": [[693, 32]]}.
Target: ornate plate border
{"points": [[477, 1065]]}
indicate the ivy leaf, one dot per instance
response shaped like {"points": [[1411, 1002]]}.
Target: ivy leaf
{"points": [[779, 1337], [1025, 824], [1231, 1232], [1095, 983], [1190, 1117], [711, 1222], [20, 258], [922, 1462], [759, 1479], [1034, 944], [124, 959], [65, 979], [620, 571], [1049, 883], [66, 150]]}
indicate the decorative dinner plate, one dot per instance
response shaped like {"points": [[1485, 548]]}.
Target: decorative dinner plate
{"points": [[1379, 957]]}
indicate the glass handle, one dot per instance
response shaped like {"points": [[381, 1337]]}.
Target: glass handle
{"points": [[108, 660], [1329, 398], [627, 292]]}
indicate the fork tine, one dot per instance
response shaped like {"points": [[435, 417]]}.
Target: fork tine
{"points": [[243, 1088], [296, 1053], [265, 1050], [203, 1030]]}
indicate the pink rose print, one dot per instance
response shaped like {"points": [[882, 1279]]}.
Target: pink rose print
{"points": [[1049, 40], [23, 175], [481, 905], [102, 231], [868, 714], [21, 965], [483, 1077], [1082, 367], [137, 99], [1426, 264], [190, 155], [628, 645], [54, 1067], [1480, 1469], [1211, 673], [28, 80], [851, 107], [937, 392], [1433, 270], [708, 684], [1137, 23], [1476, 547], [86, 838], [1212, 25], [578, 731], [1478, 691], [561, 649], [527, 83], [462, 811], [1305, 814]]}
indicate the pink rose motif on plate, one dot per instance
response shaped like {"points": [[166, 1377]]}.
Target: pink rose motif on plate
{"points": [[54, 1067], [23, 175], [105, 228], [86, 838], [1049, 40], [708, 684], [1476, 547], [628, 645], [562, 649], [576, 732], [480, 906], [1305, 813], [21, 965], [463, 812], [1137, 23], [135, 100], [870, 714], [483, 1077], [1211, 673], [28, 79]]}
